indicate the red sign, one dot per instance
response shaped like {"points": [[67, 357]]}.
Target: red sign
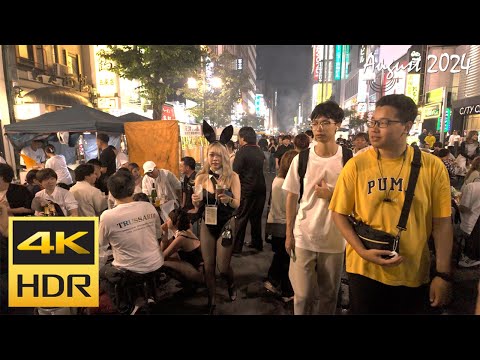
{"points": [[316, 61], [168, 112]]}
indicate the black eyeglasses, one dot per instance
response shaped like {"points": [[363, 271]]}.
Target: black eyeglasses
{"points": [[382, 123], [321, 123]]}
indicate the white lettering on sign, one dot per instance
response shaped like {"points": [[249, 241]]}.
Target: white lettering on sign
{"points": [[413, 64], [467, 110], [444, 63]]}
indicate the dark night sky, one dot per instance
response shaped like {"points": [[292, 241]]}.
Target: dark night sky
{"points": [[286, 67]]}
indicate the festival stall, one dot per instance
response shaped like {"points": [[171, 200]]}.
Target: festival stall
{"points": [[165, 142]]}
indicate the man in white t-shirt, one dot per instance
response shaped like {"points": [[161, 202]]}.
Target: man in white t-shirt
{"points": [[315, 245], [55, 194], [469, 213], [132, 229], [91, 201], [166, 183], [34, 151]]}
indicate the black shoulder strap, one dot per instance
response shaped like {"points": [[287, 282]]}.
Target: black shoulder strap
{"points": [[347, 154], [302, 168], [412, 182]]}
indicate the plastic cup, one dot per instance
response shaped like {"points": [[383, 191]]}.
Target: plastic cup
{"points": [[198, 190]]}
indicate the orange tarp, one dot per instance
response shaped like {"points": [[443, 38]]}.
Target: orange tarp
{"points": [[154, 140]]}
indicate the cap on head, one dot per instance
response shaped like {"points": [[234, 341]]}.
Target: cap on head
{"points": [[148, 166]]}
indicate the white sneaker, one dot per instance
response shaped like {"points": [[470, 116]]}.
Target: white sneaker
{"points": [[466, 262]]}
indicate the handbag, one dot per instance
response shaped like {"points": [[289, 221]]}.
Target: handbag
{"points": [[381, 240], [274, 230]]}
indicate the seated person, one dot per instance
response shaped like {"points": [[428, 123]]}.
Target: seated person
{"points": [[182, 254], [141, 197], [35, 152], [52, 193], [133, 231], [31, 182], [16, 198]]}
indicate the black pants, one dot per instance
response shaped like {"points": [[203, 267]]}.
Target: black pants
{"points": [[369, 296], [251, 209], [278, 271]]}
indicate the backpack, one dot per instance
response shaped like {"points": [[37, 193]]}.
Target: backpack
{"points": [[347, 154]]}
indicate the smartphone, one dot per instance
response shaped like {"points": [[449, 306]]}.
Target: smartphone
{"points": [[292, 254]]}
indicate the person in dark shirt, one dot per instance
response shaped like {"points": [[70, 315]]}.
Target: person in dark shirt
{"points": [[187, 168], [107, 159], [282, 149], [99, 183], [31, 182], [422, 137], [248, 164], [16, 198]]}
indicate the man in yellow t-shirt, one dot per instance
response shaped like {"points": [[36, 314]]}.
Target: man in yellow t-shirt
{"points": [[430, 140], [372, 186]]}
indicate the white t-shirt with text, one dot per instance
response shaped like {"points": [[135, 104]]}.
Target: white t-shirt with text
{"points": [[132, 230]]}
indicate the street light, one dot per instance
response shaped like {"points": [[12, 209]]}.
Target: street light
{"points": [[214, 82]]}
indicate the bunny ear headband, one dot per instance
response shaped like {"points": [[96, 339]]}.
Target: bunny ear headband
{"points": [[209, 133]]}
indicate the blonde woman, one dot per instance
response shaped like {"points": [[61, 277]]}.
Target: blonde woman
{"points": [[216, 212], [470, 147]]}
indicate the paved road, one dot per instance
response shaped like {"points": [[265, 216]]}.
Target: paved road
{"points": [[253, 299]]}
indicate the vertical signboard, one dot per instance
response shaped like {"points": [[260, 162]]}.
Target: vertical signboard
{"points": [[338, 62]]}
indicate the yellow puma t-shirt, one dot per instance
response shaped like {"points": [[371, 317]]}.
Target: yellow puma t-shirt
{"points": [[361, 189]]}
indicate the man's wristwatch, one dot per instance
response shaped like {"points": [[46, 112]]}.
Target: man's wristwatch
{"points": [[445, 276]]}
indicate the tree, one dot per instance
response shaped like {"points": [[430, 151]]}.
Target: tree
{"points": [[254, 121], [354, 121], [157, 67], [216, 104]]}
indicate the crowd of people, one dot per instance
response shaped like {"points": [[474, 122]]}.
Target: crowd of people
{"points": [[326, 195]]}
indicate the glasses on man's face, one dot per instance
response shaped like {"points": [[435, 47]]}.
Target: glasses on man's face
{"points": [[382, 123], [316, 124]]}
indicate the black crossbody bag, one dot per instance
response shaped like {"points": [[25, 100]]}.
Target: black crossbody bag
{"points": [[381, 240]]}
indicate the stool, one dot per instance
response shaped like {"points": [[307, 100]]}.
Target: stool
{"points": [[136, 289]]}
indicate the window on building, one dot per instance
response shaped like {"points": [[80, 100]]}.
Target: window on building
{"points": [[31, 55]]}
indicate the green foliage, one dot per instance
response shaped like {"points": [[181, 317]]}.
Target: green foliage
{"points": [[355, 121], [254, 121], [216, 105], [157, 67]]}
